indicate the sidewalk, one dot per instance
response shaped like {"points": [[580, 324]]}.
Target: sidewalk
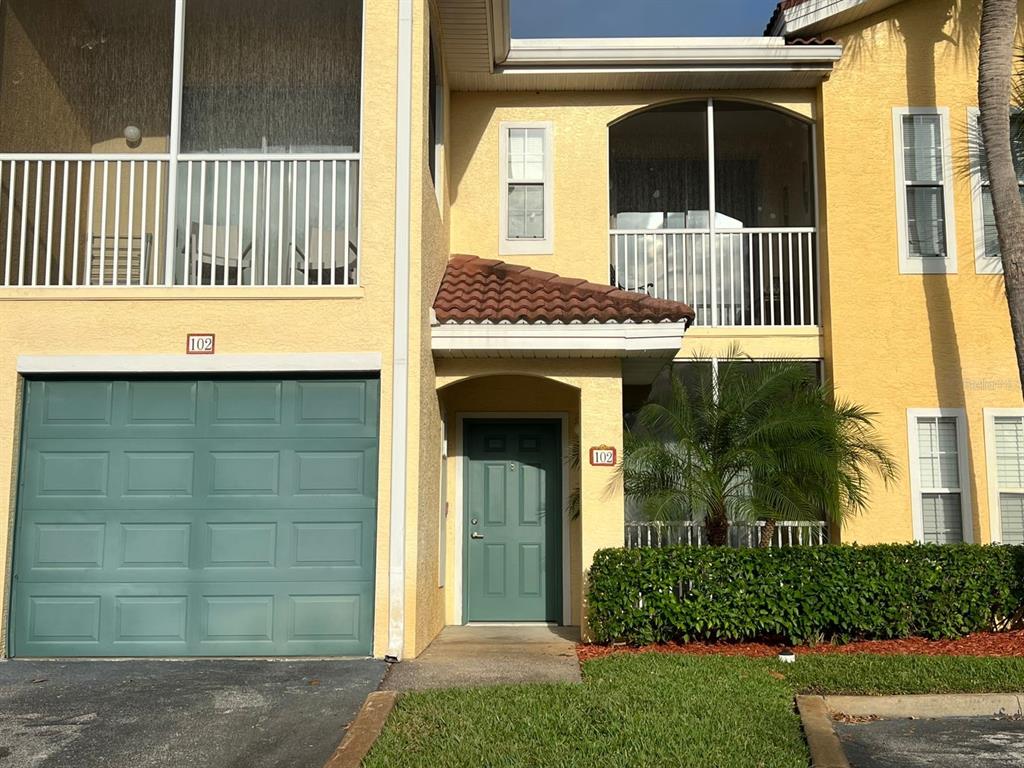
{"points": [[490, 655]]}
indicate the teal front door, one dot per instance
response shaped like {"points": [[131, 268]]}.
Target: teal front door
{"points": [[513, 520], [189, 517]]}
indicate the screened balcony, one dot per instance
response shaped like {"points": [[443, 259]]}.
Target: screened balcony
{"points": [[755, 261], [163, 143]]}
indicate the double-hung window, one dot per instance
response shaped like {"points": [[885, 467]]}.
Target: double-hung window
{"points": [[986, 240], [1004, 429], [526, 194], [938, 454], [927, 242]]}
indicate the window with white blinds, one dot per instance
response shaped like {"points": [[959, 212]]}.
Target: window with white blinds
{"points": [[986, 237], [1008, 439], [939, 479], [925, 195], [526, 188]]}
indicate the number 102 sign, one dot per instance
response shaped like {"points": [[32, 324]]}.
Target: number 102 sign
{"points": [[602, 456], [200, 344]]}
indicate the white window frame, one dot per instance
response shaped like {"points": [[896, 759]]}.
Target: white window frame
{"points": [[995, 519], [963, 467], [515, 246], [983, 265], [915, 265]]}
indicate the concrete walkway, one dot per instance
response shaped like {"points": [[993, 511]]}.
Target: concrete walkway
{"points": [[491, 655]]}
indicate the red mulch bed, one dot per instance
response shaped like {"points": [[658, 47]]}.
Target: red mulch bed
{"points": [[1000, 644]]}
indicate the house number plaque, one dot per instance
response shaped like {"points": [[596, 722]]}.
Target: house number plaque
{"points": [[602, 456], [200, 344]]}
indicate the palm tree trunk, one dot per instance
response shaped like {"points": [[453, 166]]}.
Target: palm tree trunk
{"points": [[716, 526], [995, 71], [767, 534]]}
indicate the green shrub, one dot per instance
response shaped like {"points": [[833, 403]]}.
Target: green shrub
{"points": [[803, 594]]}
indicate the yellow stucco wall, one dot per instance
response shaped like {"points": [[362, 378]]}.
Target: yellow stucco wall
{"points": [[136, 322], [897, 341]]}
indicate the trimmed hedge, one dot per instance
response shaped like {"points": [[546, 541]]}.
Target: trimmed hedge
{"points": [[803, 594]]}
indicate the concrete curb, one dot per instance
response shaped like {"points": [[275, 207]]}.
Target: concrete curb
{"points": [[363, 731], [826, 751], [928, 705]]}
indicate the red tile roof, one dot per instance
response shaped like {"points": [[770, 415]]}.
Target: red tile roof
{"points": [[485, 291]]}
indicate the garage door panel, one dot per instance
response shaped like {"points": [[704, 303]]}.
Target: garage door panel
{"points": [[211, 619], [289, 544], [69, 404], [111, 474], [197, 518], [161, 403]]}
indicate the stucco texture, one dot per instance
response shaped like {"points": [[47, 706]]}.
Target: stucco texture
{"points": [[896, 341]]}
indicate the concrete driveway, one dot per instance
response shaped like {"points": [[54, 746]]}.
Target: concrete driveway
{"points": [[194, 713]]}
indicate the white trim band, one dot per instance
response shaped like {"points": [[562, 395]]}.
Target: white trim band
{"points": [[254, 363], [589, 340]]}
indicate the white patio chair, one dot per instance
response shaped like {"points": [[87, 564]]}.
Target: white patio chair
{"points": [[214, 254], [317, 262]]}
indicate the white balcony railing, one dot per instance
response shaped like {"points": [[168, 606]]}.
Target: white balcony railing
{"points": [[223, 221], [742, 277]]}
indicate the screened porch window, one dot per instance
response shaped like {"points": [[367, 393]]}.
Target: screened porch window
{"points": [[660, 168], [85, 76], [272, 76], [240, 169]]}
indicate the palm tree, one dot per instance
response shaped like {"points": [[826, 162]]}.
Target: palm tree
{"points": [[995, 73], [758, 443]]}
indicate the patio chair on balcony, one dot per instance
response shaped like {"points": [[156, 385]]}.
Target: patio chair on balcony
{"points": [[317, 263], [134, 263], [215, 258]]}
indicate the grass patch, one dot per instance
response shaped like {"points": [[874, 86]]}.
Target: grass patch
{"points": [[661, 710], [867, 675]]}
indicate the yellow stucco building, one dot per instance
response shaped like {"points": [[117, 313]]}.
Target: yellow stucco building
{"points": [[317, 336]]}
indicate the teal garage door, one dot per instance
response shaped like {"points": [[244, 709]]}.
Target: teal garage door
{"points": [[196, 518]]}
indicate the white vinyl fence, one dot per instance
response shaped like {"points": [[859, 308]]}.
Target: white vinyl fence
{"points": [[692, 533]]}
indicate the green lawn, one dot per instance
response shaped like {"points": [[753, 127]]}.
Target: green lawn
{"points": [[660, 710]]}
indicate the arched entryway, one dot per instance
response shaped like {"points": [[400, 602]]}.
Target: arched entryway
{"points": [[512, 529]]}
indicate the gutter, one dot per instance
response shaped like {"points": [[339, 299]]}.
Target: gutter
{"points": [[610, 54], [400, 351]]}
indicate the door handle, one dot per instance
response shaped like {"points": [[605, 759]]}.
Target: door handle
{"points": [[475, 535]]}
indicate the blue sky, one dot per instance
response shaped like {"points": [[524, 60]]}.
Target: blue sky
{"points": [[639, 18]]}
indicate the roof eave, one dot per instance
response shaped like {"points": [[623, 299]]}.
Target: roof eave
{"points": [[812, 17]]}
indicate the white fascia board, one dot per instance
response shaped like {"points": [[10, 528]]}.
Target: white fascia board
{"points": [[611, 53], [611, 339], [368, 362], [815, 16]]}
